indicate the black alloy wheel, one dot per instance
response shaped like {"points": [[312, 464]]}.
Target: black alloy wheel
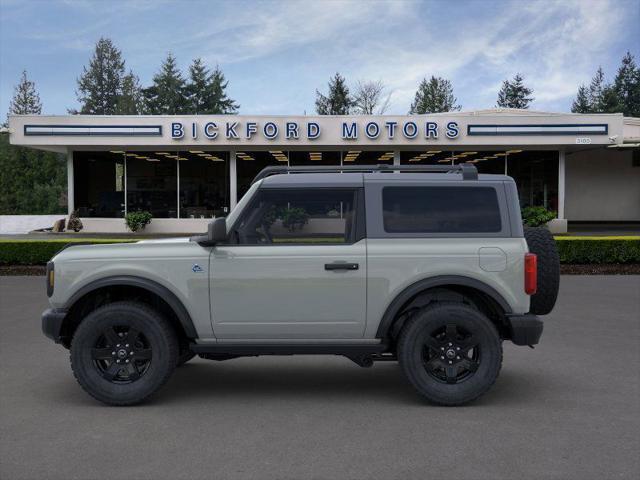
{"points": [[450, 352], [123, 352]]}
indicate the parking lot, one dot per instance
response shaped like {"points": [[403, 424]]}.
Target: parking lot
{"points": [[568, 409]]}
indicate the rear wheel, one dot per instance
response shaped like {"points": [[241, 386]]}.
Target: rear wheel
{"points": [[123, 352], [450, 352]]}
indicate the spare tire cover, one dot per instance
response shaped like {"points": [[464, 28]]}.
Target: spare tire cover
{"points": [[541, 243]]}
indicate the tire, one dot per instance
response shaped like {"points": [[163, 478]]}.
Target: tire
{"points": [[111, 367], [541, 242], [450, 352]]}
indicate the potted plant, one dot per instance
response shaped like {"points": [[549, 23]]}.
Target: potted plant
{"points": [[136, 221], [537, 216]]}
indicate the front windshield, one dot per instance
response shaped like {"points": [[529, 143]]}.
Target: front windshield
{"points": [[233, 215]]}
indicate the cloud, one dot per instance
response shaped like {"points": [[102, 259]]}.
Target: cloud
{"points": [[277, 53]]}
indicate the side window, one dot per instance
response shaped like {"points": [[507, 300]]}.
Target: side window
{"points": [[298, 216], [441, 210]]}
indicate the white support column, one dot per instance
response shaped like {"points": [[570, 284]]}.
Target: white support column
{"points": [[396, 159], [177, 188], [70, 189], [233, 180], [561, 177], [559, 225]]}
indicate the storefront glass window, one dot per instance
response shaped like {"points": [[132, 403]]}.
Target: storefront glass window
{"points": [[249, 164], [152, 183], [204, 184], [536, 174], [314, 158], [99, 184], [367, 157]]}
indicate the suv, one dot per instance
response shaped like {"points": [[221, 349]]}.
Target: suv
{"points": [[426, 265]]}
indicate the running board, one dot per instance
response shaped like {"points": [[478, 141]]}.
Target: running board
{"points": [[362, 354]]}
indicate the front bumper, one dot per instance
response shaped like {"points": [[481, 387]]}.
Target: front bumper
{"points": [[52, 320], [525, 329]]}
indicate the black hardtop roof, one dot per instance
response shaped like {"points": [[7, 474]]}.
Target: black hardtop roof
{"points": [[355, 175]]}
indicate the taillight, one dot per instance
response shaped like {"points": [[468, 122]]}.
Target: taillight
{"points": [[530, 273]]}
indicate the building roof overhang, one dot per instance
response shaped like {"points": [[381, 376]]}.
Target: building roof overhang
{"points": [[477, 129]]}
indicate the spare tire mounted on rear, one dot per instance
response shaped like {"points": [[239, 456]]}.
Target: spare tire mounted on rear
{"points": [[541, 243]]}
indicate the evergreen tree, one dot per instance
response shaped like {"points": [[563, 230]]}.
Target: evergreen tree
{"points": [[581, 104], [338, 101], [219, 102], [596, 91], [196, 89], [99, 86], [627, 86], [130, 101], [514, 94], [433, 96], [25, 99], [31, 181], [206, 91], [167, 95]]}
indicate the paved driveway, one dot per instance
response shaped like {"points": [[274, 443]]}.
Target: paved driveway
{"points": [[568, 409]]}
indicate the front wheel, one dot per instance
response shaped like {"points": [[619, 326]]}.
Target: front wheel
{"points": [[450, 352], [123, 352]]}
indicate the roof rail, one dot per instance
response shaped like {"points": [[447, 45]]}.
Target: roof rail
{"points": [[468, 170]]}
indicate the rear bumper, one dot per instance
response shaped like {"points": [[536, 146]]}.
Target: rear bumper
{"points": [[525, 329], [52, 320]]}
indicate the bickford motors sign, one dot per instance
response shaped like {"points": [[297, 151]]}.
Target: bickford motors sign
{"points": [[294, 130]]}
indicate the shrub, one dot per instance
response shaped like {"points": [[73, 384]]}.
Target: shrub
{"points": [[536, 216], [137, 220], [39, 252], [294, 217], [586, 250], [74, 222]]}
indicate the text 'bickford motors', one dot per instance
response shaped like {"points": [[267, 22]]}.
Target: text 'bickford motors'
{"points": [[311, 130]]}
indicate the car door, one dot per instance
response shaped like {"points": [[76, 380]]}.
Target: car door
{"points": [[294, 267]]}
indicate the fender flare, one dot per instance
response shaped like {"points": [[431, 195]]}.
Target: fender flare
{"points": [[440, 281], [151, 286]]}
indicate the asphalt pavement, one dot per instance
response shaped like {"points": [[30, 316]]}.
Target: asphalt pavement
{"points": [[568, 409]]}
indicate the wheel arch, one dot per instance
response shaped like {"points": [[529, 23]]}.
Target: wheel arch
{"points": [[464, 287], [128, 286]]}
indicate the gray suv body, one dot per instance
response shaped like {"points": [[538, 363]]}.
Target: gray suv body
{"points": [[430, 269]]}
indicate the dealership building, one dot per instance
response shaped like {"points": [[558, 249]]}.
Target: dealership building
{"points": [[186, 170]]}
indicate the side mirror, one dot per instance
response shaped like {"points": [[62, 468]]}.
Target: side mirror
{"points": [[217, 231]]}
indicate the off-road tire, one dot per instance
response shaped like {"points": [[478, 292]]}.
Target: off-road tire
{"points": [[411, 352], [541, 242], [160, 345]]}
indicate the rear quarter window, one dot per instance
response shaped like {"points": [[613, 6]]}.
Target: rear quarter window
{"points": [[432, 209]]}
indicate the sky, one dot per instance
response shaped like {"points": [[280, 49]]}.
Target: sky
{"points": [[275, 54]]}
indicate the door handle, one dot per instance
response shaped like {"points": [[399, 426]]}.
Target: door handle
{"points": [[341, 266]]}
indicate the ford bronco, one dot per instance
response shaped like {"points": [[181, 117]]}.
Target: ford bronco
{"points": [[425, 265]]}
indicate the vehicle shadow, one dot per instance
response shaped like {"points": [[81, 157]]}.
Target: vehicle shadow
{"points": [[291, 380]]}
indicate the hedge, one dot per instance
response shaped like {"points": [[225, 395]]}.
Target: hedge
{"points": [[39, 252], [573, 250], [600, 250]]}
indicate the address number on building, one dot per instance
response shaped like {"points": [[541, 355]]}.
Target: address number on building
{"points": [[583, 141]]}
